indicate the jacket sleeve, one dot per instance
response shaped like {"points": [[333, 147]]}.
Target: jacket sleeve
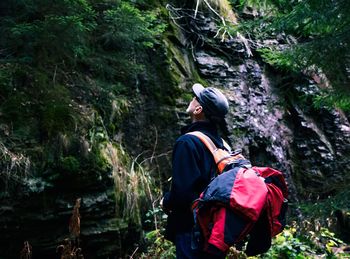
{"points": [[185, 175]]}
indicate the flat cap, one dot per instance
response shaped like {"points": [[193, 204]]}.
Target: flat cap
{"points": [[214, 103]]}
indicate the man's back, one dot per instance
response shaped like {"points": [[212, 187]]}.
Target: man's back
{"points": [[193, 169], [193, 166]]}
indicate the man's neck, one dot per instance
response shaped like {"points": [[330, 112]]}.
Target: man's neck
{"points": [[199, 117]]}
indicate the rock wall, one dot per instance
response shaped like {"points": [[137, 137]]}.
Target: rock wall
{"points": [[271, 113], [38, 192], [271, 118], [275, 126]]}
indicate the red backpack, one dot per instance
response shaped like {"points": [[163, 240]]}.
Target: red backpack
{"points": [[241, 200]]}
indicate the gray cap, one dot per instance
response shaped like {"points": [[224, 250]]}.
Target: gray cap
{"points": [[214, 103]]}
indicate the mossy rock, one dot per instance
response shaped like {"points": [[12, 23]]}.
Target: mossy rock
{"points": [[70, 164]]}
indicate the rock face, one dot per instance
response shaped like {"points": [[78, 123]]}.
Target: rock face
{"points": [[42, 219], [37, 206], [271, 114], [275, 127], [271, 118]]}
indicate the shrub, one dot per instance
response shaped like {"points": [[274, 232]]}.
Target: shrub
{"points": [[70, 164]]}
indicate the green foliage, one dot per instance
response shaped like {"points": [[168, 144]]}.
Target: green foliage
{"points": [[42, 32], [52, 51], [48, 108], [292, 243], [127, 27], [12, 101], [315, 233], [283, 60], [70, 69], [287, 245], [331, 97], [155, 218], [5, 81], [318, 39], [55, 111], [268, 7], [111, 102], [158, 247], [299, 240], [122, 36], [134, 188], [106, 39], [70, 164], [327, 206], [98, 162]]}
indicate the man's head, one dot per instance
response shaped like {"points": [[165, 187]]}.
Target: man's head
{"points": [[209, 101]]}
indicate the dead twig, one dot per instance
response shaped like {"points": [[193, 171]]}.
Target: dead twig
{"points": [[70, 248], [27, 251], [74, 222]]}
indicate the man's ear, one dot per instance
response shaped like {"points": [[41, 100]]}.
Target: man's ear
{"points": [[198, 110]]}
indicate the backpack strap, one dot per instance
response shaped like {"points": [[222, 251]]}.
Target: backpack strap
{"points": [[206, 140], [222, 157], [226, 145]]}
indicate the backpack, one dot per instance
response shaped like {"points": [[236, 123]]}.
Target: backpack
{"points": [[242, 199]]}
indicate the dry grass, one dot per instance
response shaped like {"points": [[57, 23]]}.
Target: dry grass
{"points": [[69, 250], [221, 8], [224, 9], [14, 168], [132, 183]]}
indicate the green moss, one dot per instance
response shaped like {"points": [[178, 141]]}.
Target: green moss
{"points": [[181, 64], [179, 68], [55, 109], [34, 105], [70, 164], [97, 162]]}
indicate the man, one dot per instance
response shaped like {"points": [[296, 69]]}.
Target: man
{"points": [[193, 167]]}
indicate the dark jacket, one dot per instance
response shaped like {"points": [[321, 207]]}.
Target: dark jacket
{"points": [[193, 169]]}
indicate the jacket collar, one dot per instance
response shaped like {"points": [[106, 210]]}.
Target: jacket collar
{"points": [[200, 126]]}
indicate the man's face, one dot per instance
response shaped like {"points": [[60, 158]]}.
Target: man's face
{"points": [[192, 106]]}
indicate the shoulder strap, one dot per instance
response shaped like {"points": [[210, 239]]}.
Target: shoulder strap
{"points": [[227, 146], [205, 139], [221, 156]]}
